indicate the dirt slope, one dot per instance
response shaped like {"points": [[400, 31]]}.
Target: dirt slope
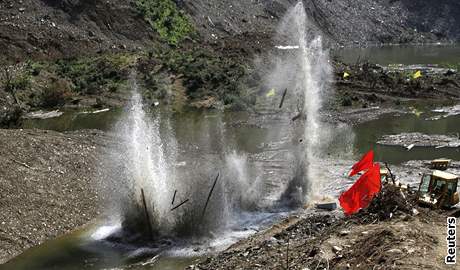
{"points": [[47, 177], [54, 28]]}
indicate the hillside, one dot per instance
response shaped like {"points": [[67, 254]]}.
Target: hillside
{"points": [[192, 52], [53, 28]]}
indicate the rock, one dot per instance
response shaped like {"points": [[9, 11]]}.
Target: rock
{"points": [[336, 249]]}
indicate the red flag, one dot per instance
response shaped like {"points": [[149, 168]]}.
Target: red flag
{"points": [[365, 163], [361, 193]]}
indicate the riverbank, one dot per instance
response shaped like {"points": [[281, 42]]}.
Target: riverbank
{"points": [[393, 233], [49, 178], [47, 185]]}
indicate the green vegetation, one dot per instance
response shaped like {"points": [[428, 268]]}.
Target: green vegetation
{"points": [[165, 18], [455, 66], [55, 93], [19, 82], [203, 75], [93, 75]]}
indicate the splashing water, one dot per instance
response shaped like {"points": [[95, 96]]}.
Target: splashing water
{"points": [[302, 67], [147, 154], [141, 161], [316, 73]]}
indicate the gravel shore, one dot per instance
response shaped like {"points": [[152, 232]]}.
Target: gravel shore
{"points": [[46, 187]]}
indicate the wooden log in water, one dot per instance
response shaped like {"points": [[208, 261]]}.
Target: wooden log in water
{"points": [[147, 215], [282, 98], [174, 197], [179, 205], [209, 195]]}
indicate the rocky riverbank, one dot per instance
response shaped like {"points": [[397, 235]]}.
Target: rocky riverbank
{"points": [[47, 185], [393, 233]]}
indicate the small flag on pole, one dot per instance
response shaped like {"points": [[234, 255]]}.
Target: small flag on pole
{"points": [[417, 75]]}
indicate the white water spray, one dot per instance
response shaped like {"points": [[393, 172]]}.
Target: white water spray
{"points": [[141, 161], [305, 72], [316, 72]]}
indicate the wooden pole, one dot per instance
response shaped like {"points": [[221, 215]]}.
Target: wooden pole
{"points": [[209, 195], [147, 216], [287, 254], [283, 97], [174, 197], [182, 203]]}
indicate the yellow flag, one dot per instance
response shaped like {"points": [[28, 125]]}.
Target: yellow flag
{"points": [[346, 75], [416, 111], [417, 75], [271, 93]]}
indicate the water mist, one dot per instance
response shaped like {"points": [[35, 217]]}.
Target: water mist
{"points": [[301, 66]]}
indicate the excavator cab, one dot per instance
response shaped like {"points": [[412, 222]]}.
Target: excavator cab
{"points": [[438, 189]]}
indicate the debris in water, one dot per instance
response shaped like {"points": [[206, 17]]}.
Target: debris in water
{"points": [[174, 197], [147, 215], [410, 146], [210, 194], [279, 47], [327, 206], [43, 115], [101, 111], [282, 98], [179, 205], [419, 139]]}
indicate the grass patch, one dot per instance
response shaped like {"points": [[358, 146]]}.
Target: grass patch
{"points": [[165, 18]]}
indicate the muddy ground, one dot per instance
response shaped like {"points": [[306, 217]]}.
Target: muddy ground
{"points": [[46, 185], [393, 233]]}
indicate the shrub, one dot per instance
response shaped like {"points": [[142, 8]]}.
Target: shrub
{"points": [[164, 17], [56, 93], [19, 82]]}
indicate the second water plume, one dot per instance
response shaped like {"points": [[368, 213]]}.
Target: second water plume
{"points": [[301, 65]]}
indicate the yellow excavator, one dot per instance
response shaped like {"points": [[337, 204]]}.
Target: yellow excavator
{"points": [[438, 189]]}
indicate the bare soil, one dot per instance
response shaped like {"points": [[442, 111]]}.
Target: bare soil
{"points": [[46, 185]]}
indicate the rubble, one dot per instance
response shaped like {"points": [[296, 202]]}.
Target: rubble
{"points": [[420, 139]]}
